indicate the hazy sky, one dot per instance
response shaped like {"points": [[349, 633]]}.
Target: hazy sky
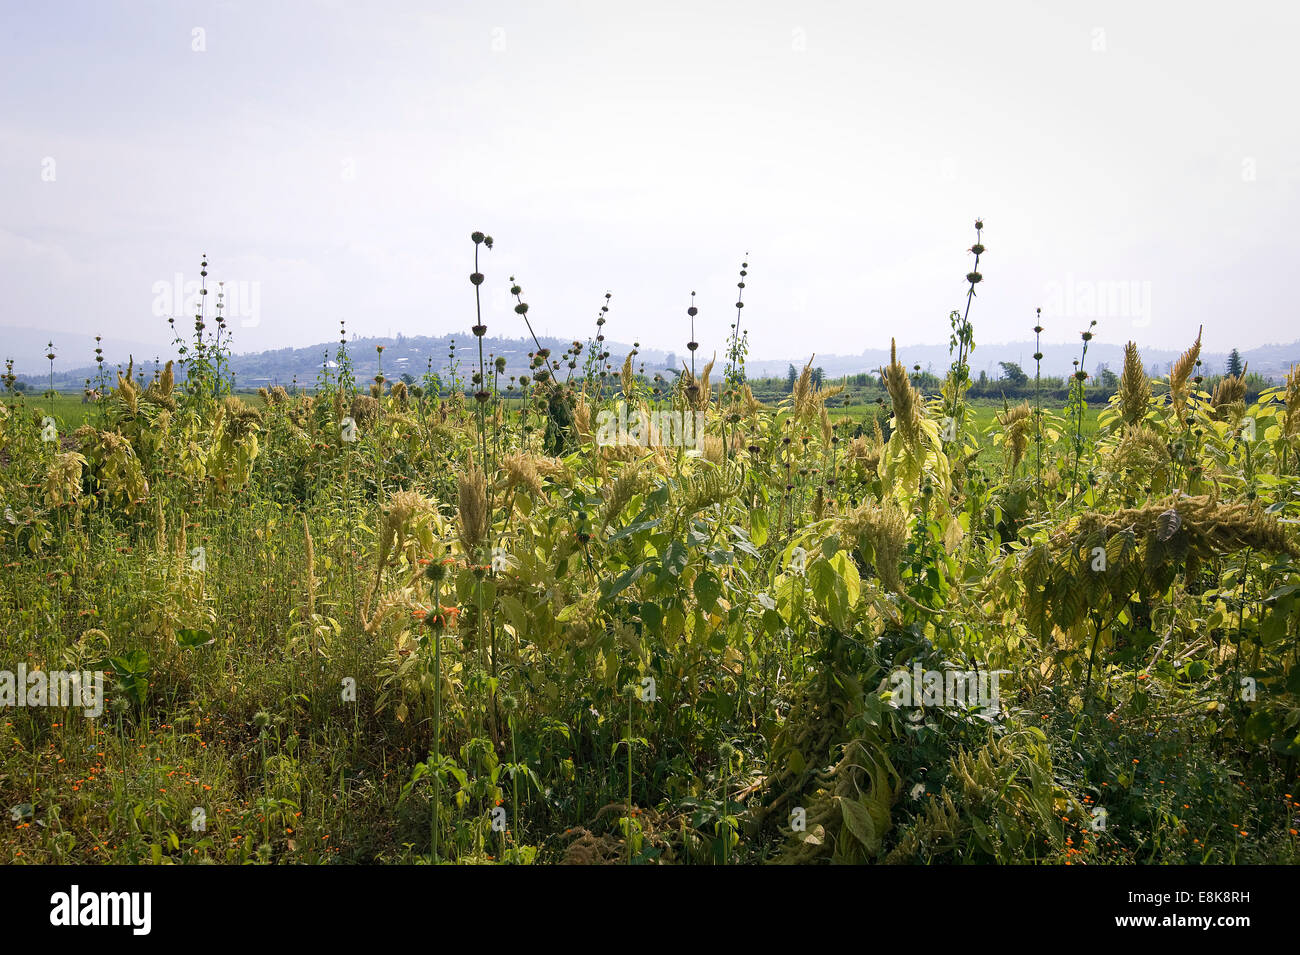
{"points": [[1134, 162]]}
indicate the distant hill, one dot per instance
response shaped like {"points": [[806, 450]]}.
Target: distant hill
{"points": [[1271, 361], [26, 346], [414, 355]]}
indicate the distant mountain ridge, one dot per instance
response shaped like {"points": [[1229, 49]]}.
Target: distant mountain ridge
{"points": [[1271, 361], [414, 355]]}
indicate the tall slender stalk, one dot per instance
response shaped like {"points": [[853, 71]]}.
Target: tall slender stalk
{"points": [[962, 335], [480, 392], [1038, 408], [1079, 404]]}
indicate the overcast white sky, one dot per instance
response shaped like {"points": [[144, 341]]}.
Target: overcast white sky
{"points": [[336, 156]]}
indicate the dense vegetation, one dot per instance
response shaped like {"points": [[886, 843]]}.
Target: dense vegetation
{"points": [[396, 622]]}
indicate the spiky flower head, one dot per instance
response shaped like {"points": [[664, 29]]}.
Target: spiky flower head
{"points": [[1134, 393], [906, 400]]}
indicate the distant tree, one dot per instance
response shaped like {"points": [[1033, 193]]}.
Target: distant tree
{"points": [[1104, 377], [818, 376], [1013, 373], [791, 376], [984, 378], [671, 360], [1234, 363], [408, 378]]}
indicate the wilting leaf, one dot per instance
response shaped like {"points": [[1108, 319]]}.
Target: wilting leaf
{"points": [[859, 822]]}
